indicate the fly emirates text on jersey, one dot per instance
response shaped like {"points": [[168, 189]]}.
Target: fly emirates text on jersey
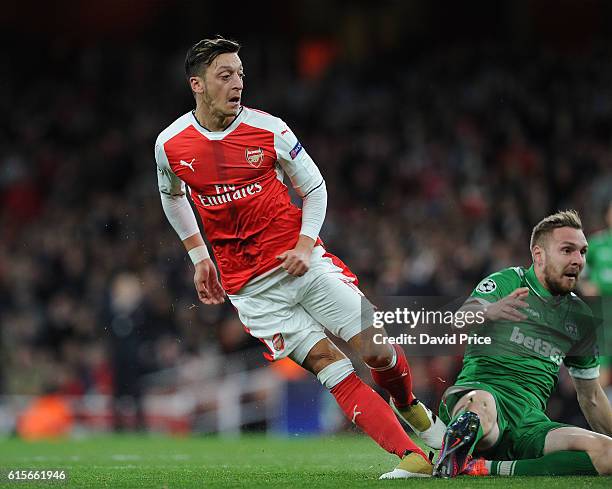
{"points": [[228, 193]]}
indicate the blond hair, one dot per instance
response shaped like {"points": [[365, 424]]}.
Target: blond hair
{"points": [[561, 219]]}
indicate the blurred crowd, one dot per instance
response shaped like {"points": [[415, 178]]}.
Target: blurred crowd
{"points": [[437, 167]]}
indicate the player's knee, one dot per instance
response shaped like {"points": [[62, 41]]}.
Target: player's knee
{"points": [[335, 373], [380, 360], [475, 401], [373, 354], [319, 359], [378, 356], [482, 403]]}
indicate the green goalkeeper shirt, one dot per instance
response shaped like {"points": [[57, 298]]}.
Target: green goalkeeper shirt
{"points": [[524, 357], [599, 261]]}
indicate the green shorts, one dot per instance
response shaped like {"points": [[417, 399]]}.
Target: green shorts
{"points": [[522, 427]]}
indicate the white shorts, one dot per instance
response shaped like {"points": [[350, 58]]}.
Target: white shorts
{"points": [[289, 314]]}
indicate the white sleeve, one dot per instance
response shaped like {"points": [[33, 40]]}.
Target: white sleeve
{"points": [[179, 214], [584, 373], [174, 200], [305, 178], [295, 161], [314, 206]]}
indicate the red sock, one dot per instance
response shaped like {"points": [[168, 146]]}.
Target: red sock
{"points": [[397, 380], [364, 407]]}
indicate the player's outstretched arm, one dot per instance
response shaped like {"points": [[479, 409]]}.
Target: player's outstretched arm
{"points": [[508, 308], [505, 309], [594, 405]]}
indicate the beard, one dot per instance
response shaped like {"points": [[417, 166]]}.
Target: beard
{"points": [[557, 282]]}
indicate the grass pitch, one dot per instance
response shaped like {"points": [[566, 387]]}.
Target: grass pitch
{"points": [[249, 462]]}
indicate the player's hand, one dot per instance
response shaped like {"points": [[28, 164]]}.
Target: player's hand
{"points": [[207, 283], [295, 261], [508, 308]]}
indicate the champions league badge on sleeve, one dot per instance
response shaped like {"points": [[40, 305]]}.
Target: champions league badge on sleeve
{"points": [[296, 150], [486, 286]]}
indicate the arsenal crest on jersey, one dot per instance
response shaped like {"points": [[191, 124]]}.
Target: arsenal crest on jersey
{"points": [[278, 342], [254, 156]]}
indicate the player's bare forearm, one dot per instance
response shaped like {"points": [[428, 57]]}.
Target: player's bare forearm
{"points": [[598, 413], [594, 405], [506, 309], [305, 243], [193, 241]]}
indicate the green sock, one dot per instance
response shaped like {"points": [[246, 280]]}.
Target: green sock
{"points": [[557, 463], [479, 435]]}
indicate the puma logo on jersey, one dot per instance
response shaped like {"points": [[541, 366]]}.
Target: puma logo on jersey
{"points": [[190, 165], [355, 414], [284, 132]]}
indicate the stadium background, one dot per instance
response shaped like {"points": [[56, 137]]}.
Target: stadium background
{"points": [[444, 131]]}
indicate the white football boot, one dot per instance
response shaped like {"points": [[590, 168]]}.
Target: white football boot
{"points": [[412, 465], [425, 424]]}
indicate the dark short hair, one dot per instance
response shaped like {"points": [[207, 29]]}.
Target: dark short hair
{"points": [[562, 219], [204, 52]]}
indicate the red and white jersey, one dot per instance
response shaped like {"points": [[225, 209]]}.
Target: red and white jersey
{"points": [[235, 178]]}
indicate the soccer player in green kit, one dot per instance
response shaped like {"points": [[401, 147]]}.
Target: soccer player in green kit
{"points": [[599, 279], [495, 410], [599, 259]]}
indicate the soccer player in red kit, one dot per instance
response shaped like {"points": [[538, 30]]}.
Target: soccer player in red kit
{"points": [[274, 268]]}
